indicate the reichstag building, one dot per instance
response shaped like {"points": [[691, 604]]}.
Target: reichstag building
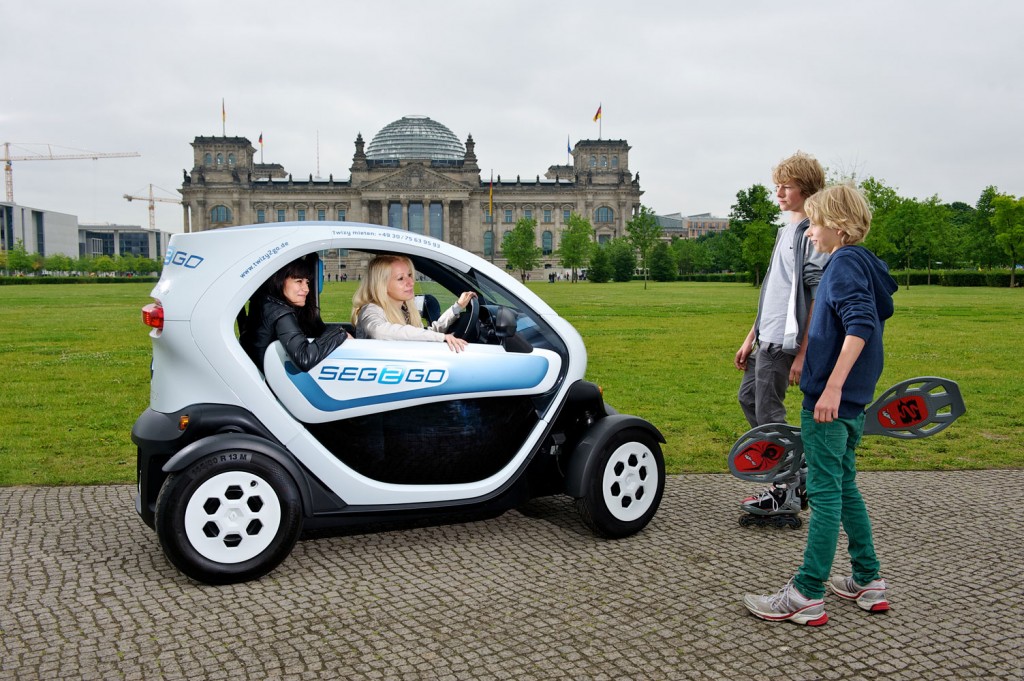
{"points": [[415, 174]]}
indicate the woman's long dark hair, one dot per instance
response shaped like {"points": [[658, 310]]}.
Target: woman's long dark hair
{"points": [[309, 314]]}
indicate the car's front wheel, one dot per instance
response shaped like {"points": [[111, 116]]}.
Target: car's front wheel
{"points": [[229, 517], [626, 486]]}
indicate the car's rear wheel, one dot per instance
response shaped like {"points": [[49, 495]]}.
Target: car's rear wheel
{"points": [[229, 517], [625, 489]]}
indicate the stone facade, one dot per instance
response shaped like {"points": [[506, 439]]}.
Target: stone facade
{"points": [[442, 197]]}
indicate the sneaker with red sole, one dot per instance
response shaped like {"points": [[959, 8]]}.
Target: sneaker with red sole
{"points": [[787, 605], [870, 597]]}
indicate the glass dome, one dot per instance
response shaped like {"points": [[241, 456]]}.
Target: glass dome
{"points": [[415, 137]]}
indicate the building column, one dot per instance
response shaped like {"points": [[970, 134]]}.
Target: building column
{"points": [[426, 217]]}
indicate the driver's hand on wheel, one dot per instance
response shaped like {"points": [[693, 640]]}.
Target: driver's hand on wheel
{"points": [[465, 298], [456, 344]]}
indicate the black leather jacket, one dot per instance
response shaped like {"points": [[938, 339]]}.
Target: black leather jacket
{"points": [[278, 322]]}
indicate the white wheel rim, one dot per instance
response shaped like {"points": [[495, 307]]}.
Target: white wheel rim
{"points": [[630, 482], [232, 517]]}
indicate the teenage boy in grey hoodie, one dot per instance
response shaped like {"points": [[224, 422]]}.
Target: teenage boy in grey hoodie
{"points": [[772, 355]]}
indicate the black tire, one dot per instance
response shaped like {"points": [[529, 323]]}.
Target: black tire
{"points": [[230, 517], [626, 487]]}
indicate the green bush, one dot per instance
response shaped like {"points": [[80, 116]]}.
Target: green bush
{"points": [[994, 278], [31, 281]]}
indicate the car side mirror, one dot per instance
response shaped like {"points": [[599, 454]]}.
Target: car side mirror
{"points": [[504, 323]]}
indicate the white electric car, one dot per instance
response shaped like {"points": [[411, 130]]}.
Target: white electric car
{"points": [[234, 463]]}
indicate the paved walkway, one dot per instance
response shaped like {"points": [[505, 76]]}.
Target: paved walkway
{"points": [[85, 592]]}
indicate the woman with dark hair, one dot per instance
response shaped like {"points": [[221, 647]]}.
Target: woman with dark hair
{"points": [[289, 314]]}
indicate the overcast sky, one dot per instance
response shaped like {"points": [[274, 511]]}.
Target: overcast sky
{"points": [[925, 95]]}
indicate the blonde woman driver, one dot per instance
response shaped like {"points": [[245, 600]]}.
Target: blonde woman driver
{"points": [[383, 307]]}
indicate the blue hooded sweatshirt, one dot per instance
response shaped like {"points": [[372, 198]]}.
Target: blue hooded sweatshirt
{"points": [[854, 298]]}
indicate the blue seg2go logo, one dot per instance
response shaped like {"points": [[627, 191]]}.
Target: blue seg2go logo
{"points": [[387, 375], [183, 259]]}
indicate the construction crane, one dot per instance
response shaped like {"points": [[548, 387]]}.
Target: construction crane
{"points": [[49, 156], [152, 204]]}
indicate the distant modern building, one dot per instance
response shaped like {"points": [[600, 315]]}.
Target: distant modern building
{"points": [[40, 231], [114, 240], [47, 233], [675, 225], [416, 175]]}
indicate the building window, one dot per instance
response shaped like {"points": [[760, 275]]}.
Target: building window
{"points": [[220, 214], [261, 215], [604, 161], [508, 216], [207, 160], [37, 218], [231, 160], [528, 213], [547, 215], [321, 214], [488, 243], [615, 161], [488, 218], [593, 161], [416, 218], [566, 212], [220, 160], [280, 214], [437, 220], [395, 215], [302, 215], [504, 235], [547, 241], [341, 215], [604, 214], [603, 239]]}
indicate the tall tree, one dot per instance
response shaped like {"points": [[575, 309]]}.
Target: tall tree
{"points": [[934, 236], [1008, 218], [753, 205], [725, 251], [960, 222], [691, 256], [663, 263], [623, 259], [757, 248], [18, 258], [575, 245], [519, 246], [981, 242], [601, 269], [643, 233]]}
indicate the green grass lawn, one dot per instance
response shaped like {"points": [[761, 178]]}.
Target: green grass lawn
{"points": [[75, 366]]}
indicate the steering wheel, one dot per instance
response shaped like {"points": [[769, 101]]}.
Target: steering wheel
{"points": [[466, 327]]}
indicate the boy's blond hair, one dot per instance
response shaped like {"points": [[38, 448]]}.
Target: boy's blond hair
{"points": [[841, 207], [803, 170]]}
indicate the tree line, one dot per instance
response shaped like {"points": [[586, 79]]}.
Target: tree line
{"points": [[19, 261], [908, 233]]}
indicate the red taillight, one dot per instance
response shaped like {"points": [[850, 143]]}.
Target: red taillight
{"points": [[153, 315]]}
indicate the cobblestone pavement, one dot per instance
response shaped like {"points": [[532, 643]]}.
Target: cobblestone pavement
{"points": [[85, 592]]}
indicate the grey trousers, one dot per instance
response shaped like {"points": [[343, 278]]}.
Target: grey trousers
{"points": [[763, 389]]}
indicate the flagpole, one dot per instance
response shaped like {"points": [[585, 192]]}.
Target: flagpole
{"points": [[490, 214], [223, 119]]}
